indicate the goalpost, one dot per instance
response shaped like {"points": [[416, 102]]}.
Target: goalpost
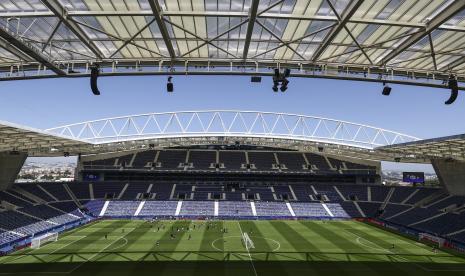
{"points": [[248, 243], [434, 239], [37, 242]]}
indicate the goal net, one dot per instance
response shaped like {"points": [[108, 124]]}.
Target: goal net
{"points": [[248, 243], [434, 239], [37, 242]]}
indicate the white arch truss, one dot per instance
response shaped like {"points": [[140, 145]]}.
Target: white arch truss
{"points": [[231, 123]]}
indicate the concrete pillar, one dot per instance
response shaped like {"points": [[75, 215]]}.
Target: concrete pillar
{"points": [[10, 166], [451, 174]]}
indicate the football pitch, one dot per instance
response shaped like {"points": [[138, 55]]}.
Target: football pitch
{"points": [[125, 247]]}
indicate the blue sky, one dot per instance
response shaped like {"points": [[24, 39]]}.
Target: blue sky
{"points": [[417, 111]]}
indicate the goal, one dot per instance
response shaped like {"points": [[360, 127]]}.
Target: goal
{"points": [[37, 242], [431, 238], [248, 243]]}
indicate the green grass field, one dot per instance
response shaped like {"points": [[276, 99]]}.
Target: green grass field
{"points": [[281, 248]]}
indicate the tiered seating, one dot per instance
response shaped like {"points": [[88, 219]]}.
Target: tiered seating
{"points": [[262, 160], [350, 209], [232, 160], [134, 189], [4, 196], [63, 219], [143, 158], [414, 215], [392, 209], [309, 209], [294, 161], [35, 227], [94, 206], [125, 160], [379, 193], [7, 237], [57, 190], [121, 208], [234, 209], [337, 164], [329, 191], [302, 191], [159, 208], [401, 193], [445, 224], [10, 220], [317, 160], [101, 164], [170, 159], [272, 209], [41, 211], [35, 190], [338, 211], [282, 190], [453, 201], [355, 166], [370, 208], [422, 194], [102, 188], [197, 208], [202, 159], [65, 206], [360, 191], [162, 190], [80, 190]]}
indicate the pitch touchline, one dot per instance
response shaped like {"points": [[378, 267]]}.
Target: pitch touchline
{"points": [[248, 251], [46, 254], [395, 254]]}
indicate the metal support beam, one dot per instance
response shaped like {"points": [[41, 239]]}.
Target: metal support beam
{"points": [[55, 29], [350, 10], [21, 47], [446, 14], [252, 17], [62, 14], [433, 54], [354, 39], [132, 38], [157, 12]]}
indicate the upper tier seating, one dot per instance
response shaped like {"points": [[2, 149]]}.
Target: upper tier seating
{"points": [[232, 160], [170, 159], [202, 160]]}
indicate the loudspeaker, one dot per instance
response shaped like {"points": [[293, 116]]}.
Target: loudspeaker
{"points": [[386, 90], [256, 79], [94, 73], [169, 87], [454, 91]]}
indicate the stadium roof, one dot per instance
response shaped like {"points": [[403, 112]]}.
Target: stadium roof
{"points": [[410, 42], [209, 127], [449, 147], [14, 137]]}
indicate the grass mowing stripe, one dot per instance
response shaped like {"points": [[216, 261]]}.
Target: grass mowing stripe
{"points": [[337, 241], [98, 253], [251, 227]]}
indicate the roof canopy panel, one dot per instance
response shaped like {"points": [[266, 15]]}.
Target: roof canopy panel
{"points": [[380, 39]]}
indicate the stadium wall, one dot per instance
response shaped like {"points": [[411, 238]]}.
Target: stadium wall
{"points": [[451, 174], [10, 166]]}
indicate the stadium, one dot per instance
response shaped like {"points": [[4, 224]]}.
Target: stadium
{"points": [[226, 191]]}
